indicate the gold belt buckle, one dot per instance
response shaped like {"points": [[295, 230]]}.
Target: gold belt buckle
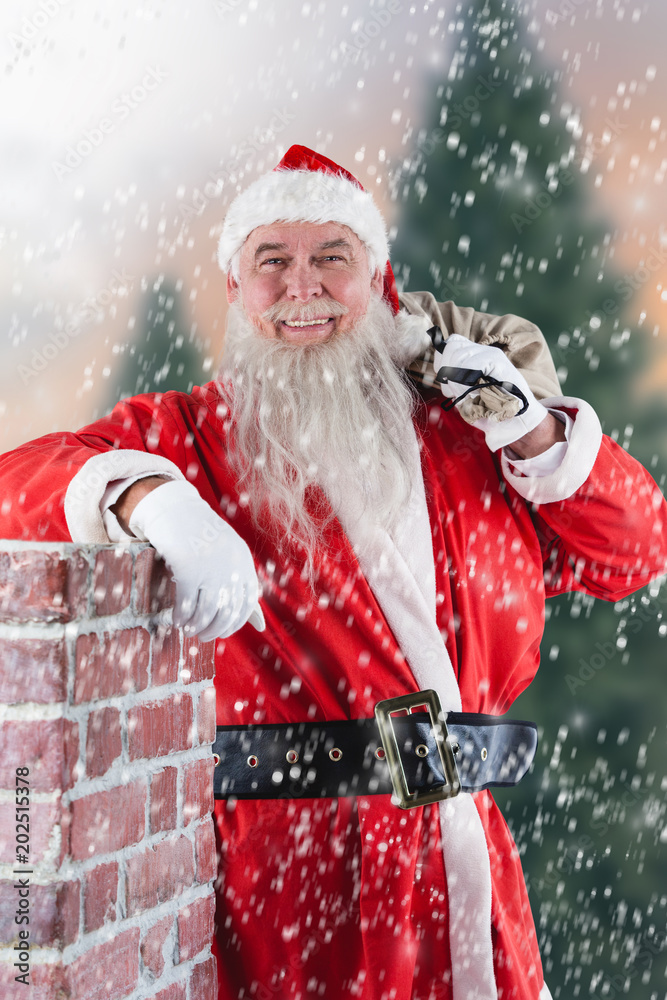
{"points": [[406, 798]]}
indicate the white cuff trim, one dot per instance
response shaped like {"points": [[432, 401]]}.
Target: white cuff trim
{"points": [[576, 465], [114, 490], [88, 487], [548, 461], [115, 532], [117, 487]]}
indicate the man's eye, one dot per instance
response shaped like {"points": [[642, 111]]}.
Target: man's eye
{"points": [[273, 260]]}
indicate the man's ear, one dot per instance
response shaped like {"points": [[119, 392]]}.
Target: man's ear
{"points": [[377, 282], [233, 288]]}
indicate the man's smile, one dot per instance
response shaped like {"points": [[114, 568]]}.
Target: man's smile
{"points": [[307, 322], [298, 330]]}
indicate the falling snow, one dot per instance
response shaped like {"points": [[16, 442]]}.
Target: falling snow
{"points": [[518, 151]]}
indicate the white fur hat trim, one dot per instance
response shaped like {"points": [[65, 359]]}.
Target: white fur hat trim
{"points": [[304, 196]]}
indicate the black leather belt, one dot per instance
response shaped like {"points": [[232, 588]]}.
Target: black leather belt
{"points": [[437, 758]]}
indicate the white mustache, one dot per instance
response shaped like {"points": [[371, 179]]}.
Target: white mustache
{"points": [[301, 311]]}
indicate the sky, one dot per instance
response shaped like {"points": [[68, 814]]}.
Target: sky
{"points": [[126, 129]]}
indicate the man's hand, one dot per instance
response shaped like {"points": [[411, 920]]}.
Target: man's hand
{"points": [[217, 589], [529, 434]]}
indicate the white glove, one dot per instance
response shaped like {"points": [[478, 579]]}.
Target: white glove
{"points": [[459, 352], [217, 588]]}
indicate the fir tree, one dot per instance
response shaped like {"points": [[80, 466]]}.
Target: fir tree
{"points": [[166, 355], [497, 211]]}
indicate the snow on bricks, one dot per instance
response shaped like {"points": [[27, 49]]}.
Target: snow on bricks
{"points": [[100, 895], [195, 927], [164, 811], [43, 586], [108, 716], [34, 669], [155, 727], [111, 663]]}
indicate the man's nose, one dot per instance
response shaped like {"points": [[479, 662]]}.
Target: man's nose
{"points": [[302, 282]]}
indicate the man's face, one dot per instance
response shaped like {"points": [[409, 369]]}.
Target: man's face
{"points": [[296, 269]]}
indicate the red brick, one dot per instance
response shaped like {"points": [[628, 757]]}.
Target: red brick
{"points": [[198, 797], [107, 971], [153, 943], [54, 913], [164, 805], [112, 664], [204, 980], [42, 586], [54, 919], [65, 830], [68, 904], [47, 982], [195, 927], [166, 656], [36, 745], [206, 852], [206, 716], [154, 590], [106, 821], [160, 727], [177, 991], [199, 661], [49, 747], [101, 892], [112, 581], [103, 744], [44, 817], [158, 874], [70, 753], [33, 670]]}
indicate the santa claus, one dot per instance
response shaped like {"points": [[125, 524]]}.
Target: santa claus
{"points": [[348, 540]]}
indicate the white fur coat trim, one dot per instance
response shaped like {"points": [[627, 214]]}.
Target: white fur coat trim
{"points": [[87, 488], [575, 468], [401, 571]]}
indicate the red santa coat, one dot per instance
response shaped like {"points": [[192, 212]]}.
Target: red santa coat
{"points": [[348, 897]]}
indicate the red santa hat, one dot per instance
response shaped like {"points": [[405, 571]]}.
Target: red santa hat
{"points": [[307, 187]]}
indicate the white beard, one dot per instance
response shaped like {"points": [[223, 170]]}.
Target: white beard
{"points": [[331, 414]]}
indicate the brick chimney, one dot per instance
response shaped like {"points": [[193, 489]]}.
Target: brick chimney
{"points": [[107, 715]]}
